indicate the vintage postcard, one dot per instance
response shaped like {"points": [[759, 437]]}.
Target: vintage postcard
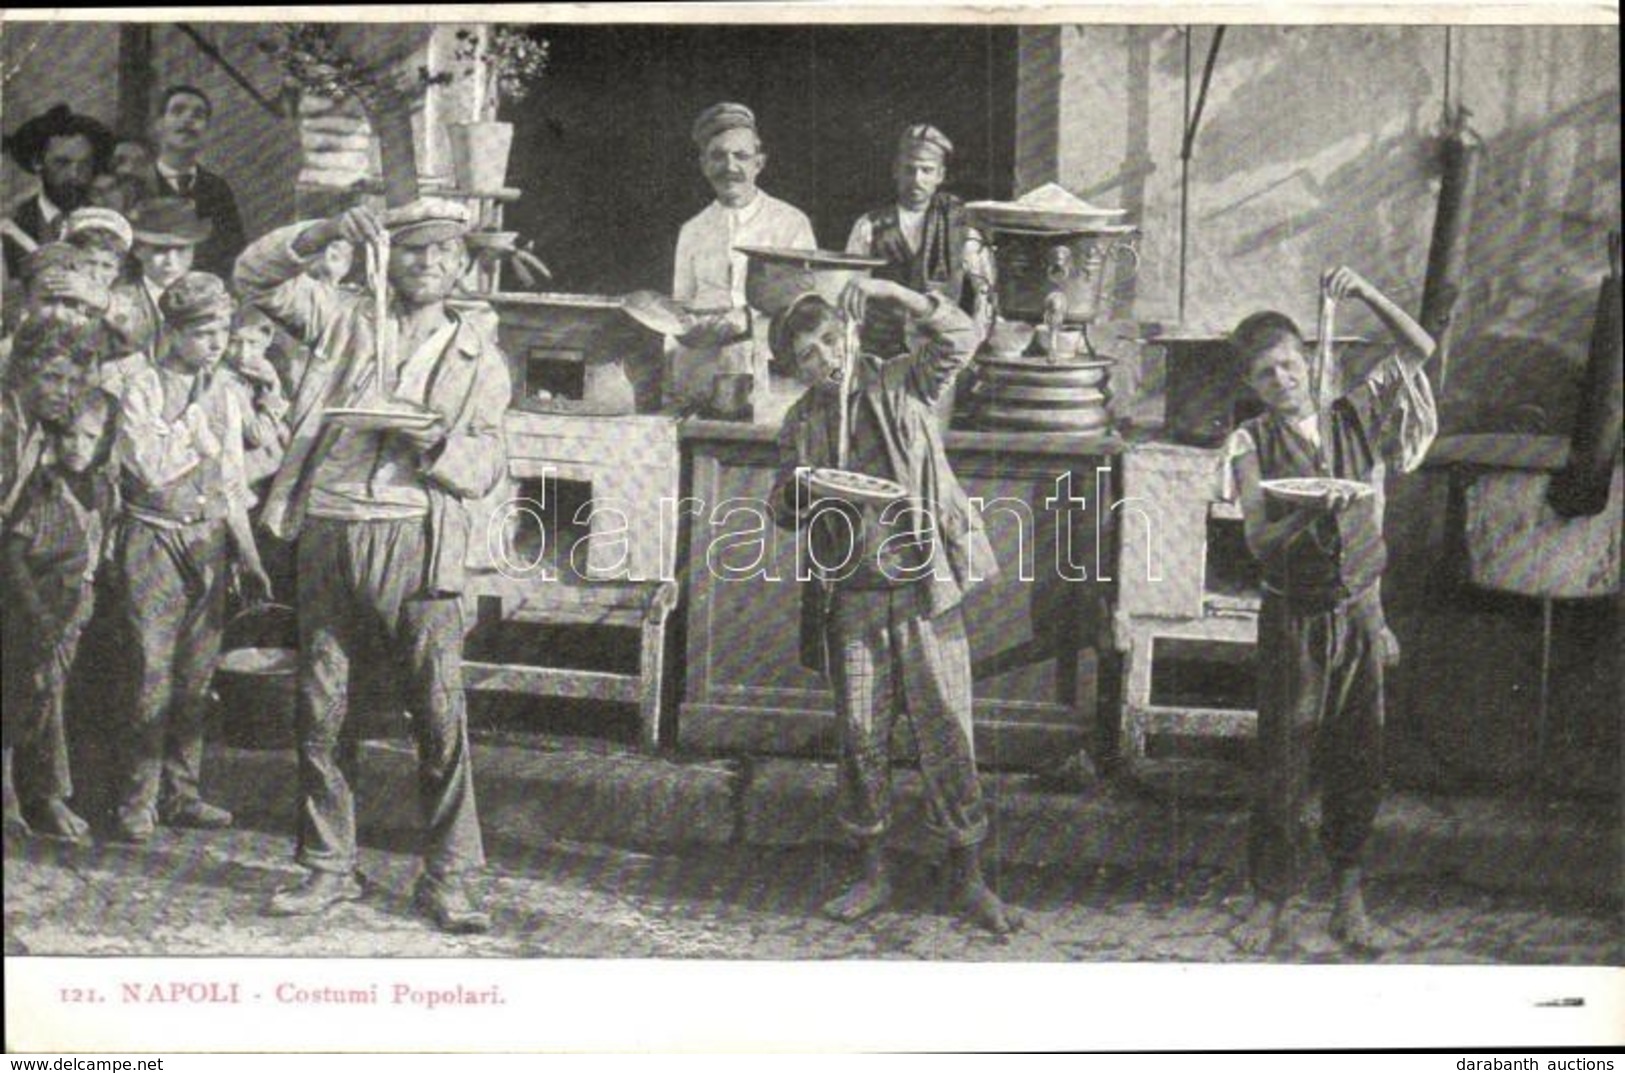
{"points": [[780, 527]]}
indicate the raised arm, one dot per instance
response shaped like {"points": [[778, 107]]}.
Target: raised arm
{"points": [[271, 274], [1417, 346], [950, 338]]}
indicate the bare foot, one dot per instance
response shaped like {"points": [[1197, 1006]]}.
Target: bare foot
{"points": [[868, 895], [52, 817], [1262, 928], [977, 902], [16, 826], [1353, 928]]}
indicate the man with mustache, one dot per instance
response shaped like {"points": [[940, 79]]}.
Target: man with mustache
{"points": [[66, 151], [180, 132], [710, 272], [382, 520], [923, 235]]}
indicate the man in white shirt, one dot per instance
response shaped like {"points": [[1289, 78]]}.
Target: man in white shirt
{"points": [[710, 272]]}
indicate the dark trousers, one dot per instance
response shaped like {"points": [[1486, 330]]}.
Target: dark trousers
{"points": [[1320, 716], [360, 592], [174, 600], [886, 656], [37, 672]]}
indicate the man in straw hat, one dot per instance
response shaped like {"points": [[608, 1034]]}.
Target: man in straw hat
{"points": [[923, 235], [382, 518], [66, 151], [710, 271], [884, 619], [180, 450]]}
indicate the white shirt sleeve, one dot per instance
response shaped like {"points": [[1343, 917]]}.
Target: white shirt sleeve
{"points": [[861, 241]]}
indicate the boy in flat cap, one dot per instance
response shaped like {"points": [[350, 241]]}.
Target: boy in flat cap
{"points": [[710, 272], [66, 151], [180, 449], [923, 235], [884, 620], [383, 523]]}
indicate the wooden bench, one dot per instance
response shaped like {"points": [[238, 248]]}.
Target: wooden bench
{"points": [[641, 605]]}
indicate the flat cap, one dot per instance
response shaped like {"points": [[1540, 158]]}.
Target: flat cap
{"points": [[92, 218], [919, 137], [720, 117], [196, 296], [426, 220], [169, 221]]}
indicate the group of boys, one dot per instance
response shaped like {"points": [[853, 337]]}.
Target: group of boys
{"points": [[133, 444]]}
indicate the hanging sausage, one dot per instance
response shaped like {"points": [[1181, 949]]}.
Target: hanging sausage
{"points": [[1594, 450], [1460, 153]]}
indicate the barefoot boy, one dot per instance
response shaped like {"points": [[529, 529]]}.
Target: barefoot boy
{"points": [[1320, 629], [884, 618]]}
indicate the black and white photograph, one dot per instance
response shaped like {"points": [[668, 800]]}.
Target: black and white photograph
{"points": [[512, 504]]}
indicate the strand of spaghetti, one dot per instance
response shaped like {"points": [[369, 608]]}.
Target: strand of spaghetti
{"points": [[378, 273], [846, 389], [1323, 348]]}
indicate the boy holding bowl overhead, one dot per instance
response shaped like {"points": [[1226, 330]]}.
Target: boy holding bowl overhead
{"points": [[1321, 635], [883, 618]]}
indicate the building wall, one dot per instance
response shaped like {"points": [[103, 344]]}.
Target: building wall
{"points": [[1317, 147]]}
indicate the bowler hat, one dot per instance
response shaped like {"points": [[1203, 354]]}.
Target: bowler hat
{"points": [[169, 221]]}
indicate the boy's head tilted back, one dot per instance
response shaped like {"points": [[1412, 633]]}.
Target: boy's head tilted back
{"points": [[1273, 358], [808, 340]]}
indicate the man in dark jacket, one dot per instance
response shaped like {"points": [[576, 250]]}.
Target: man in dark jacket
{"points": [[179, 132], [66, 151]]}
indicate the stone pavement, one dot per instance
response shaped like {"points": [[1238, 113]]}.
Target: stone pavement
{"points": [[596, 852]]}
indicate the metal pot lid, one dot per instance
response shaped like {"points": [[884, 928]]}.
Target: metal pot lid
{"points": [[1044, 365], [812, 259]]}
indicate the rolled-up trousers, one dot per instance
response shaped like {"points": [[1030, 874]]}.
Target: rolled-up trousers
{"points": [[361, 595], [1320, 717], [888, 656]]}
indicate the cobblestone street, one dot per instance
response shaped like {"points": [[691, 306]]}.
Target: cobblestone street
{"points": [[192, 894]]}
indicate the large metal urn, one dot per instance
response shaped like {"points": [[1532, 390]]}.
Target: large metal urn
{"points": [[1060, 275], [1055, 272]]}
